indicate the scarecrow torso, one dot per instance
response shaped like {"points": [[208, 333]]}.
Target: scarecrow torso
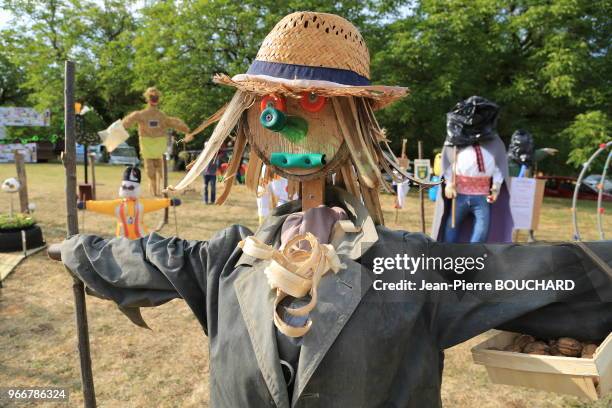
{"points": [[385, 345], [152, 126], [130, 214]]}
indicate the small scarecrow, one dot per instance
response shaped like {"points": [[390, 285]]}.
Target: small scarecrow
{"points": [[474, 206], [523, 157], [152, 137], [11, 185], [129, 208], [295, 306]]}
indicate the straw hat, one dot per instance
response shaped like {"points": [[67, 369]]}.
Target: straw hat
{"points": [[313, 52]]}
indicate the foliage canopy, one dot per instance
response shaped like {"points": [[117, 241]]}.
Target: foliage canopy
{"points": [[547, 64]]}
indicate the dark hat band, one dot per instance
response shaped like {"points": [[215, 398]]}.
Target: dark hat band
{"points": [[305, 72]]}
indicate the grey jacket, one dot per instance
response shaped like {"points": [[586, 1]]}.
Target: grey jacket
{"points": [[367, 347]]}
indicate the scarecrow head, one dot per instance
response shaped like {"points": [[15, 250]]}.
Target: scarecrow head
{"points": [[152, 96], [11, 185], [306, 108], [130, 185], [521, 148]]}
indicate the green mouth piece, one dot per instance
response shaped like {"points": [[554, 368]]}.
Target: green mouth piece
{"points": [[297, 160]]}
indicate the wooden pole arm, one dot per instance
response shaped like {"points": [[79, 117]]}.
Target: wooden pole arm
{"points": [[54, 251]]}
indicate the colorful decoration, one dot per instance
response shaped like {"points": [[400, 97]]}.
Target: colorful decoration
{"points": [[129, 208]]}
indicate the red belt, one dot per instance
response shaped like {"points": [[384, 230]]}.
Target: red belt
{"points": [[473, 185]]}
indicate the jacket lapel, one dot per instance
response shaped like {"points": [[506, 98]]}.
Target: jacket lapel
{"points": [[338, 297], [256, 304]]}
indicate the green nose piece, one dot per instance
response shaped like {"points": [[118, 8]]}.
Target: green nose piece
{"points": [[293, 128], [302, 161]]}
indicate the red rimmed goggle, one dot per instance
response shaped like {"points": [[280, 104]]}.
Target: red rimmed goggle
{"points": [[311, 102]]}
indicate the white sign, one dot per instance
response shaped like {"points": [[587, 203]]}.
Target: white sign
{"points": [[13, 116], [7, 152], [522, 199]]}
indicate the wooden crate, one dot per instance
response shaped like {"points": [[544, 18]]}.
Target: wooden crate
{"points": [[563, 375]]}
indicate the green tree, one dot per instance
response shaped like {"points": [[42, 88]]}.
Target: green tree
{"points": [[543, 62]]}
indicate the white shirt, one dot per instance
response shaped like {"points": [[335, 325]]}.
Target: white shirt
{"points": [[467, 165]]}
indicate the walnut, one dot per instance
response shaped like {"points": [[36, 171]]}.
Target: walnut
{"points": [[588, 349], [521, 341], [554, 351], [512, 348], [537, 347], [569, 347]]}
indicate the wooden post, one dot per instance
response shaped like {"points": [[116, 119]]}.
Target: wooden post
{"points": [[72, 224], [313, 193], [85, 160], [421, 195], [164, 220], [92, 158], [454, 201], [165, 183], [23, 180]]}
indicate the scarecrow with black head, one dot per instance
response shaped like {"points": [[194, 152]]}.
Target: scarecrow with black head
{"points": [[474, 205], [296, 313], [523, 157]]}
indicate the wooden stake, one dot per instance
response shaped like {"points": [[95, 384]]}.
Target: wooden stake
{"points": [[313, 193], [454, 201], [92, 159], [23, 180], [421, 195], [164, 220], [72, 224]]}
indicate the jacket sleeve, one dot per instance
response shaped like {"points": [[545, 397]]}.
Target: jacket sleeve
{"points": [[177, 124], [152, 270], [155, 204], [131, 119], [582, 308], [107, 207]]}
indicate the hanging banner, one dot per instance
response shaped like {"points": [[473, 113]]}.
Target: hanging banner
{"points": [[7, 152], [13, 116]]}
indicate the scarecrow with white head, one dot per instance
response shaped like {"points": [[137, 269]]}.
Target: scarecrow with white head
{"points": [[129, 208], [297, 313]]}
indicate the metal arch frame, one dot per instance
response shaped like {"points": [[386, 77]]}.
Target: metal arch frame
{"points": [[585, 166], [602, 184]]}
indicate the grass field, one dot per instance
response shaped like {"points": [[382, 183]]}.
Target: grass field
{"points": [[168, 366]]}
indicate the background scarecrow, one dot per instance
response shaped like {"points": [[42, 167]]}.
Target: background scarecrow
{"points": [[293, 308], [129, 208], [474, 205], [152, 137], [523, 157]]}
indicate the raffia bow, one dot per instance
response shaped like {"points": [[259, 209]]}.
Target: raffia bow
{"points": [[295, 272]]}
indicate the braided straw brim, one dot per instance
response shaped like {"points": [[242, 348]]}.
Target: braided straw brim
{"points": [[380, 95]]}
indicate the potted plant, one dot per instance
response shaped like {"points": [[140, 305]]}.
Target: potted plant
{"points": [[13, 226]]}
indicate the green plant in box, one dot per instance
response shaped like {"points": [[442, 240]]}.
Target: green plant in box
{"points": [[18, 221]]}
